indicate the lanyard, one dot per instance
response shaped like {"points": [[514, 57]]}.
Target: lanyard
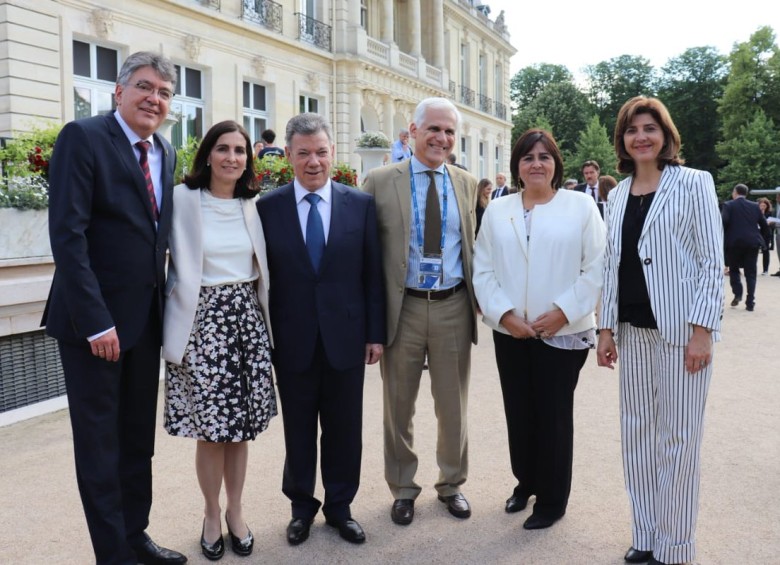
{"points": [[420, 239]]}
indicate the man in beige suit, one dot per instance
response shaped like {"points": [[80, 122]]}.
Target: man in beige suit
{"points": [[427, 248]]}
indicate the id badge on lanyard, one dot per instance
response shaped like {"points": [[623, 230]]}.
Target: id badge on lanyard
{"points": [[430, 273]]}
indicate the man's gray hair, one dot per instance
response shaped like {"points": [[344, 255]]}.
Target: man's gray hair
{"points": [[741, 189], [435, 102], [403, 131], [161, 65], [307, 124]]}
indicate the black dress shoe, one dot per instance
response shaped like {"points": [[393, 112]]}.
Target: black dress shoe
{"points": [[736, 301], [516, 504], [212, 551], [457, 505], [537, 522], [149, 553], [750, 307], [777, 274], [348, 529], [242, 547], [298, 530], [403, 511], [637, 555]]}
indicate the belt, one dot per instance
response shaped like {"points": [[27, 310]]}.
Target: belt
{"points": [[435, 295]]}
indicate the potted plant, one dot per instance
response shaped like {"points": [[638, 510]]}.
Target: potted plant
{"points": [[373, 147]]}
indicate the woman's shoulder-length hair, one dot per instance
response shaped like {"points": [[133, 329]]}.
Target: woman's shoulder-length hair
{"points": [[670, 152]]}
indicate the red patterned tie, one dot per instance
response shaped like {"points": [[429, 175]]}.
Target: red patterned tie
{"points": [[143, 147]]}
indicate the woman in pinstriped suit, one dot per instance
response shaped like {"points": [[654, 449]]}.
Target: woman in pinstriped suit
{"points": [[662, 303]]}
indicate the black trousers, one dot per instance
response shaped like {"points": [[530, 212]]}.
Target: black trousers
{"points": [[746, 259], [538, 382], [113, 410], [335, 398]]}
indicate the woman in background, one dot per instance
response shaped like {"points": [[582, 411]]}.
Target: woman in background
{"points": [[662, 303], [217, 338], [538, 265], [766, 208], [484, 192]]}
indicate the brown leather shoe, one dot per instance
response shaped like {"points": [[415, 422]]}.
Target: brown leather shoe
{"points": [[402, 512], [457, 505]]}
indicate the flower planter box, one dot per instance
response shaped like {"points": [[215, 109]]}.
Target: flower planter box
{"points": [[24, 233]]}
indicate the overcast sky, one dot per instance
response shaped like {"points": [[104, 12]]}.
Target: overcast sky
{"points": [[579, 33]]}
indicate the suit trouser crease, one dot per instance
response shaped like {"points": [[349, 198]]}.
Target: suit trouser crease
{"points": [[113, 410], [334, 399], [661, 412], [537, 384], [442, 331], [747, 260]]}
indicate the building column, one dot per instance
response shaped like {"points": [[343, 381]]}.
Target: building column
{"points": [[388, 25], [415, 36], [438, 33], [355, 104], [389, 115]]}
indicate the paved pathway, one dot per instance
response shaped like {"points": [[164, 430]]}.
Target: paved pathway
{"points": [[739, 522]]}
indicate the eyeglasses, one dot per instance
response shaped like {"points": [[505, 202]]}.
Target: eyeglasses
{"points": [[162, 93]]}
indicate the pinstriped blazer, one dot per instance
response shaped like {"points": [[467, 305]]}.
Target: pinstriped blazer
{"points": [[681, 249]]}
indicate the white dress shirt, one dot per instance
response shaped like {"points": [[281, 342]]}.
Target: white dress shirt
{"points": [[323, 206]]}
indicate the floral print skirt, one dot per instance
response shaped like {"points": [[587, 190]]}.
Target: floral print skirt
{"points": [[223, 390]]}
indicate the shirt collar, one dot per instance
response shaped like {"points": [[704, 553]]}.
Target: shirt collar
{"points": [[418, 167], [131, 135], [300, 192]]}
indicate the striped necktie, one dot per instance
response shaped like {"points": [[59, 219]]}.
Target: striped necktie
{"points": [[143, 147]]}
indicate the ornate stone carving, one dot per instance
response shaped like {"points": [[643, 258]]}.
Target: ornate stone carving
{"points": [[259, 64], [192, 46], [313, 81], [103, 22]]}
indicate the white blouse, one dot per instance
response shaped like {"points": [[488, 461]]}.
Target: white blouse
{"points": [[228, 256]]}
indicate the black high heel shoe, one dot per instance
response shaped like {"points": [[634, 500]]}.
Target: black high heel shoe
{"points": [[242, 547], [213, 551]]}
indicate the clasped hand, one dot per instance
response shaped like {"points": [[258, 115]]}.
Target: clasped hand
{"points": [[546, 325]]}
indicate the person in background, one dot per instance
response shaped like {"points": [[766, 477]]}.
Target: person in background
{"points": [[451, 159], [501, 187], [257, 148], [217, 336], [606, 184], [570, 184], [110, 207], [662, 305], [537, 282], [269, 137], [765, 205], [484, 195], [328, 314], [590, 171], [401, 150]]}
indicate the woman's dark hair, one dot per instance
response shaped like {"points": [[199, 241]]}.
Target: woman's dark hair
{"points": [[200, 176], [670, 152], [525, 144]]}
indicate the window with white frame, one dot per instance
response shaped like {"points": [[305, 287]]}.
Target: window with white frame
{"points": [[188, 106], [464, 151], [499, 160], [364, 14], [482, 151], [308, 104], [464, 64], [482, 74], [95, 69], [498, 88], [255, 109]]}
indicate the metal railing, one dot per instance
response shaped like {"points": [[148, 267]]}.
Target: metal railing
{"points": [[466, 95], [453, 89], [485, 103], [266, 13], [501, 110], [314, 31], [213, 4]]}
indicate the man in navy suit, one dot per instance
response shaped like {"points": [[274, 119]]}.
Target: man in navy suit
{"points": [[744, 228], [111, 180], [326, 301]]}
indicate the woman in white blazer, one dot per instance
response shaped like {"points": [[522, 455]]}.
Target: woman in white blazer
{"points": [[538, 266], [216, 332], [662, 303]]}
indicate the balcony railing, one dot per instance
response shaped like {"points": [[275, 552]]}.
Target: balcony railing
{"points": [[378, 49], [485, 103], [501, 110], [266, 13], [453, 89], [433, 74], [213, 4], [407, 62], [466, 95], [314, 31]]}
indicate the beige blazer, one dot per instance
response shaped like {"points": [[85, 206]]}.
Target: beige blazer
{"points": [[391, 189], [185, 269]]}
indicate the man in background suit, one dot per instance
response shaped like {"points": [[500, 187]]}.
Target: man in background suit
{"points": [[590, 170], [111, 180], [327, 310], [430, 303], [744, 228], [501, 188]]}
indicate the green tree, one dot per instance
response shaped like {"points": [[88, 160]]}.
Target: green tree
{"points": [[753, 82], [690, 85], [529, 82], [612, 82], [595, 144], [563, 106], [751, 155]]}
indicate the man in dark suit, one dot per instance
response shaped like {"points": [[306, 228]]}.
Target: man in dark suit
{"points": [[590, 171], [744, 228], [327, 310], [501, 187], [109, 217]]}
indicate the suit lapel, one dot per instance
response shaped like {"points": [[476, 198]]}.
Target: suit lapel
{"points": [[665, 190], [403, 189], [616, 210], [338, 220]]}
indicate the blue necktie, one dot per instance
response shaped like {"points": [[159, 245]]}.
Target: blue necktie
{"points": [[315, 235]]}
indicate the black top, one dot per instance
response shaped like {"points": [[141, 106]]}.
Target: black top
{"points": [[633, 299]]}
